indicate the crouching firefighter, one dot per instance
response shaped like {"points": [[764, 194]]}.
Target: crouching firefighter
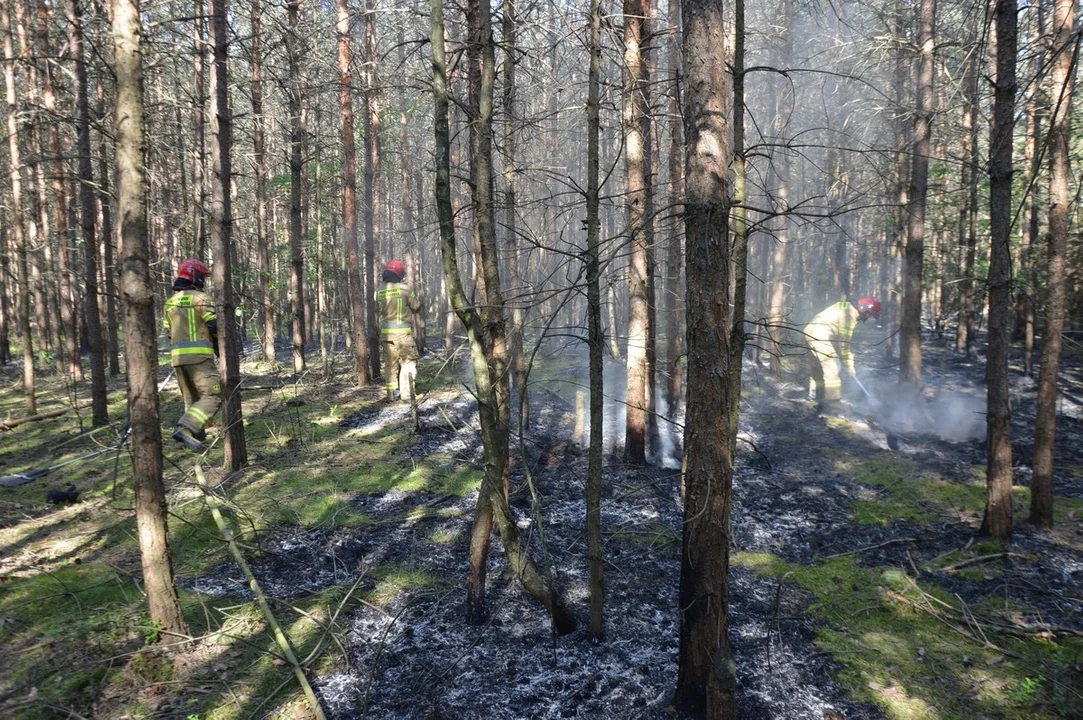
{"points": [[397, 305], [828, 337], [193, 333]]}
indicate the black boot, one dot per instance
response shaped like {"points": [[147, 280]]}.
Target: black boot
{"points": [[185, 436]]}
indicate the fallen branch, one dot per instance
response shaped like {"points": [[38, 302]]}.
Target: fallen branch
{"points": [[6, 425], [868, 547], [276, 630], [981, 559]]}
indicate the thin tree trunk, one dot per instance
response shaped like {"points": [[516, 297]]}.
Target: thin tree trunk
{"points": [[595, 339], [199, 182], [372, 151], [492, 504], [88, 211], [140, 331], [997, 522], [706, 679], [1066, 54], [968, 210], [19, 230], [675, 235], [635, 18], [355, 285], [259, 152], [46, 18], [781, 165], [910, 325], [105, 200], [517, 337], [236, 453], [297, 268]]}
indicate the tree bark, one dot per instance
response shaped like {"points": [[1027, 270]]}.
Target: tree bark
{"points": [[372, 179], [259, 157], [68, 328], [675, 236], [355, 284], [783, 108], [236, 453], [105, 200], [910, 325], [997, 522], [18, 228], [706, 680], [492, 504], [517, 337], [595, 339], [140, 332], [1065, 54], [635, 428], [968, 208], [297, 267]]}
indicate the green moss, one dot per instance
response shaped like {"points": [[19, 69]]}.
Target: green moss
{"points": [[895, 652]]}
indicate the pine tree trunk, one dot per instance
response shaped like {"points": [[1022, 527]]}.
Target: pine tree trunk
{"points": [[595, 339], [259, 153], [635, 17], [105, 200], [517, 337], [781, 165], [16, 219], [675, 231], [706, 680], [221, 230], [140, 331], [372, 154], [1060, 198], [914, 259], [87, 212], [297, 302], [492, 505], [968, 208], [997, 522], [354, 280], [46, 18]]}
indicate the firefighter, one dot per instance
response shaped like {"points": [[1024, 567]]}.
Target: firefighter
{"points": [[397, 305], [193, 333], [828, 337]]}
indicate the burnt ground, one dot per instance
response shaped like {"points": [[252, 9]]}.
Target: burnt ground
{"points": [[414, 657]]}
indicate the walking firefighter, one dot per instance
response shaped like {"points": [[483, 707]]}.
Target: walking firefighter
{"points": [[397, 306], [828, 338], [193, 333]]}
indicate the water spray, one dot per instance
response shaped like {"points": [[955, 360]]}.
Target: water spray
{"points": [[874, 404]]}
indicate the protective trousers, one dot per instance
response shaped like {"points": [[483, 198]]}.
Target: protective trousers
{"points": [[201, 388], [825, 382], [401, 354]]}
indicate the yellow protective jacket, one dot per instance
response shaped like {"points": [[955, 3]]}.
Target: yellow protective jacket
{"points": [[190, 320], [834, 328], [394, 302]]}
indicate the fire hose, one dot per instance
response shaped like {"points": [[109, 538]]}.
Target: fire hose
{"points": [[31, 475]]}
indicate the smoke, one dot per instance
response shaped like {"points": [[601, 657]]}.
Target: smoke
{"points": [[949, 415]]}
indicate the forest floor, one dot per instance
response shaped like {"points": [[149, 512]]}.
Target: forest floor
{"points": [[858, 587]]}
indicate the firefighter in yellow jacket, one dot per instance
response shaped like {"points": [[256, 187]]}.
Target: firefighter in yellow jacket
{"points": [[397, 306], [828, 337], [193, 334]]}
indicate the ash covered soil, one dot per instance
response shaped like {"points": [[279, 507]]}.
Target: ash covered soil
{"points": [[415, 657]]}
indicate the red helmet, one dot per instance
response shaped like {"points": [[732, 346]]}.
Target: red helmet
{"points": [[870, 305], [396, 267], [193, 271]]}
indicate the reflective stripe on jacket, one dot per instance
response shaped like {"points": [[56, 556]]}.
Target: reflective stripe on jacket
{"points": [[187, 313], [395, 303], [835, 325]]}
